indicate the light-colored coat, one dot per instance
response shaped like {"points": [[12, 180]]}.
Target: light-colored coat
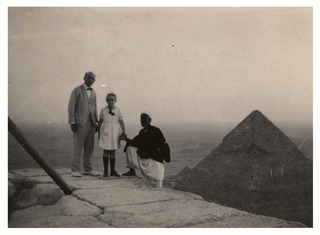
{"points": [[81, 106]]}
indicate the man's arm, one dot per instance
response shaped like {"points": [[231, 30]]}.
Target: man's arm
{"points": [[72, 110], [163, 146], [131, 142], [72, 107], [96, 107]]}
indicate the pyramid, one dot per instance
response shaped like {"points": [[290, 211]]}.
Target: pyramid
{"points": [[256, 168], [257, 132]]}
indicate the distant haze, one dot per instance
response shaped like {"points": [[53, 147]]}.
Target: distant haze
{"points": [[184, 65]]}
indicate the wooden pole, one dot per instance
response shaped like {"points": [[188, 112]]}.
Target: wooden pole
{"points": [[18, 135]]}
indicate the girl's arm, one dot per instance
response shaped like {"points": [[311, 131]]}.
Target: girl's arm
{"points": [[122, 127]]}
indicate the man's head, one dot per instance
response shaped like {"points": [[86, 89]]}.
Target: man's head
{"points": [[89, 78], [145, 119]]}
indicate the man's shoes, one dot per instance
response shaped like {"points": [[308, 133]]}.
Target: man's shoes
{"points": [[114, 173], [92, 173], [76, 174], [131, 172]]}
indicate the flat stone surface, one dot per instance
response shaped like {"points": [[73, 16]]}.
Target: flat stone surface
{"points": [[186, 213], [40, 172], [89, 182], [64, 222], [122, 195], [66, 206], [246, 221], [131, 202], [168, 213]]}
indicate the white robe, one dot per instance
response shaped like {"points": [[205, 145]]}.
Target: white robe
{"points": [[146, 167]]}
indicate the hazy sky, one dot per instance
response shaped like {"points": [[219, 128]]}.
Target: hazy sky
{"points": [[181, 64]]}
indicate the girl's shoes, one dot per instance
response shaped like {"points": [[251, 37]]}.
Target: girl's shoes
{"points": [[131, 172], [114, 173]]}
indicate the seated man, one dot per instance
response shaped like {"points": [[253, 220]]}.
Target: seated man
{"points": [[146, 152]]}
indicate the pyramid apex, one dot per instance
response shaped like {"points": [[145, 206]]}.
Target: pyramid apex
{"points": [[256, 113], [256, 129]]}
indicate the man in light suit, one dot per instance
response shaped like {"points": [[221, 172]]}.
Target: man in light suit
{"points": [[83, 118]]}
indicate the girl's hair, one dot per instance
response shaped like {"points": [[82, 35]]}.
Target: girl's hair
{"points": [[112, 94]]}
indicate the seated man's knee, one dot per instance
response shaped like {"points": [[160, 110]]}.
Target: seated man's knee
{"points": [[131, 149]]}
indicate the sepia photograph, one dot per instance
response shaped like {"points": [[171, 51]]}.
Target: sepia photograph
{"points": [[166, 116]]}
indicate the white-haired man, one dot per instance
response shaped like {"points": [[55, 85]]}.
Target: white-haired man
{"points": [[83, 119]]}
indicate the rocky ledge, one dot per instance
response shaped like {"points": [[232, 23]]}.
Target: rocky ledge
{"points": [[35, 201]]}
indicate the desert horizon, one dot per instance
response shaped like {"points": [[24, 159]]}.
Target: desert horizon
{"points": [[189, 144]]}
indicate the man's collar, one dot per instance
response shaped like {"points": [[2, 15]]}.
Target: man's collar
{"points": [[85, 86]]}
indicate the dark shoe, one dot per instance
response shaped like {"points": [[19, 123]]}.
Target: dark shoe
{"points": [[131, 172], [114, 173], [104, 176], [105, 172]]}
